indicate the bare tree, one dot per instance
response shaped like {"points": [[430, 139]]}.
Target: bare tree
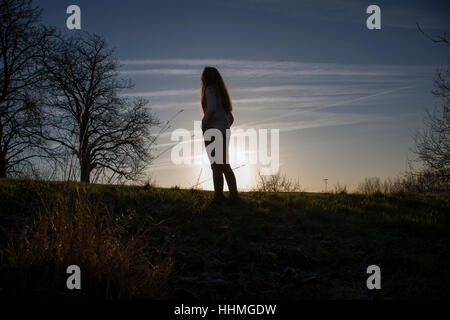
{"points": [[84, 114], [22, 45], [432, 143], [438, 39]]}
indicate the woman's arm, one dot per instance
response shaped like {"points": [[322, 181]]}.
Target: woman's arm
{"points": [[211, 105], [230, 118]]}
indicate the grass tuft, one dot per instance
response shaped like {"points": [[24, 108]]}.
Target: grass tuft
{"points": [[76, 228]]}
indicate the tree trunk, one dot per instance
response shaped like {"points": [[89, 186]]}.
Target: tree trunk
{"points": [[85, 165], [2, 169], [2, 155], [85, 171]]}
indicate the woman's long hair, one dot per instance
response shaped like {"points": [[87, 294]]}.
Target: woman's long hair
{"points": [[212, 77]]}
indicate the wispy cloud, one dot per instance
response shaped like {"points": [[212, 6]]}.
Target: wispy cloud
{"points": [[285, 95], [290, 75], [254, 64], [347, 102], [161, 71], [308, 89]]}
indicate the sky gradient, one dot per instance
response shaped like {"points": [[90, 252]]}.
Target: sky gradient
{"points": [[346, 99]]}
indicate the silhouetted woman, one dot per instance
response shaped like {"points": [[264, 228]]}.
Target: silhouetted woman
{"points": [[217, 106]]}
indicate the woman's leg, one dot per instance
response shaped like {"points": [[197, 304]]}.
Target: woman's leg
{"points": [[227, 171], [217, 171], [231, 180]]}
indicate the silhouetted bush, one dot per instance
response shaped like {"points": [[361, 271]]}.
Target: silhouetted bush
{"points": [[338, 189], [426, 181], [277, 183]]}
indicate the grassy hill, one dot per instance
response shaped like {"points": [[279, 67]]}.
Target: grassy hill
{"points": [[145, 242]]}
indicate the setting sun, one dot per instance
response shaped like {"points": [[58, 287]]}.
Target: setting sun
{"points": [[247, 172]]}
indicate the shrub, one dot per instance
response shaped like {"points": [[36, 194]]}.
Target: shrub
{"points": [[370, 186], [277, 183], [338, 189], [408, 182]]}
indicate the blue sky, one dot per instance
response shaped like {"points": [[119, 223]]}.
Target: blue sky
{"points": [[346, 99]]}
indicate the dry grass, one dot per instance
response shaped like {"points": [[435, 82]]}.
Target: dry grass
{"points": [[74, 228], [272, 246]]}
